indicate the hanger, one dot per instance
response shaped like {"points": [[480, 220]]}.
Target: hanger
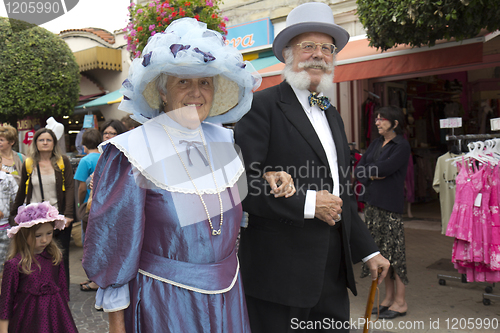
{"points": [[372, 94]]}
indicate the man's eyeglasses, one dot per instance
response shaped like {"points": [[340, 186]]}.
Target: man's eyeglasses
{"points": [[110, 133], [310, 47], [381, 119]]}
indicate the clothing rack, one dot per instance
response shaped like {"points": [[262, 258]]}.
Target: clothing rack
{"points": [[463, 278], [472, 137]]}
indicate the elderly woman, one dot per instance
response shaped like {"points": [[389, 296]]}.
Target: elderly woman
{"points": [[165, 216], [382, 170], [11, 161]]}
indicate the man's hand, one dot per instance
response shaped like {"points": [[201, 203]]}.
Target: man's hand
{"points": [[281, 183], [378, 262], [328, 207]]}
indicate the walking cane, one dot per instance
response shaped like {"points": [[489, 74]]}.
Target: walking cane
{"points": [[369, 304]]}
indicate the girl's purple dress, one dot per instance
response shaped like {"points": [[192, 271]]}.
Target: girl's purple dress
{"points": [[37, 302]]}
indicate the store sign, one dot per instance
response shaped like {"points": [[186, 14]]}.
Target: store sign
{"points": [[495, 124], [450, 122], [250, 34], [28, 124]]}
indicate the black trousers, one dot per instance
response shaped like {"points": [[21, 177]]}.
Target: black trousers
{"points": [[331, 313], [63, 237]]}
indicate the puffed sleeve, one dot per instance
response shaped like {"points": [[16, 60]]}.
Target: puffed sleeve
{"points": [[114, 235], [10, 283]]}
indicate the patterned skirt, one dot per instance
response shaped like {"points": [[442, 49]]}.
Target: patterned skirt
{"points": [[388, 232]]}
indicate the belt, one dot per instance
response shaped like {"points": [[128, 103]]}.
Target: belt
{"points": [[213, 278]]}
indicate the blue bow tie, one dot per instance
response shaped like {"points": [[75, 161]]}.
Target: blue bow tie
{"points": [[323, 102]]}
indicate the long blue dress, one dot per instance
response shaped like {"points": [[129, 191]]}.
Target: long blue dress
{"points": [[148, 228]]}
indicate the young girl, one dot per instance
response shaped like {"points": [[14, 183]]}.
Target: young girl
{"points": [[34, 295]]}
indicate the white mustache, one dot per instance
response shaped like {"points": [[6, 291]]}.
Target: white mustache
{"points": [[316, 63]]}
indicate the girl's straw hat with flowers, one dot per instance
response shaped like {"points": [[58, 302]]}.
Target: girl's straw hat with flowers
{"points": [[34, 213]]}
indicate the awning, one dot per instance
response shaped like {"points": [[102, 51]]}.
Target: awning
{"points": [[359, 61], [99, 57], [111, 98]]}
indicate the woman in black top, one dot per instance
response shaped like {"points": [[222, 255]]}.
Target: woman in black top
{"points": [[382, 171]]}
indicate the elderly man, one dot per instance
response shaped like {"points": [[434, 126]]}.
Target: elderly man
{"points": [[296, 254]]}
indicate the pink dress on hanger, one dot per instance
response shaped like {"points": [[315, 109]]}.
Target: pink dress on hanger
{"points": [[464, 217], [473, 256], [494, 250], [468, 186]]}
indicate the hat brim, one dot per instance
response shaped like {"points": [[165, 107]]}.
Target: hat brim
{"points": [[339, 34]]}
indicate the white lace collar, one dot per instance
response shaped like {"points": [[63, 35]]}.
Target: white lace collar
{"points": [[149, 149]]}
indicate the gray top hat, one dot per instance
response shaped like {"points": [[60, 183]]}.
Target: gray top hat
{"points": [[310, 17]]}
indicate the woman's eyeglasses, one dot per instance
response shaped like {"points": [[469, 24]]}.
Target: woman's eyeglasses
{"points": [[381, 119], [110, 133], [310, 47]]}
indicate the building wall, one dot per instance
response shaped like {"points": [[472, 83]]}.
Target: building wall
{"points": [[240, 11], [110, 80]]}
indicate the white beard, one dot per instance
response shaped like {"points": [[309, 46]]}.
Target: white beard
{"points": [[301, 80]]}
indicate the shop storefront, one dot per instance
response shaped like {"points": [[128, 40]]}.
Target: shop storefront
{"points": [[450, 79]]}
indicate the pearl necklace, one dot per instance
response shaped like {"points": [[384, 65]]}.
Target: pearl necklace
{"points": [[214, 232]]}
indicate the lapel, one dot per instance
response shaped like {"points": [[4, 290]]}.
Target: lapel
{"points": [[337, 138], [295, 114]]}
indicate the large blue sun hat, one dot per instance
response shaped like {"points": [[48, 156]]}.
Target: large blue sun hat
{"points": [[188, 49]]}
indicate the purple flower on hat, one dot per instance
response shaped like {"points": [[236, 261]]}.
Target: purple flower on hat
{"points": [[127, 84], [207, 56], [175, 48], [146, 59]]}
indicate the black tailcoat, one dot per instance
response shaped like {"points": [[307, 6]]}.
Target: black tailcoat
{"points": [[282, 256]]}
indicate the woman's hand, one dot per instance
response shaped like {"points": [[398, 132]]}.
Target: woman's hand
{"points": [[281, 183], [68, 221]]}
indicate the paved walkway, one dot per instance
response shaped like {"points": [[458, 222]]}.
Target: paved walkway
{"points": [[431, 307], [87, 318]]}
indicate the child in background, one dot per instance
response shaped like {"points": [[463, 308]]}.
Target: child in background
{"points": [[8, 191], [34, 296]]}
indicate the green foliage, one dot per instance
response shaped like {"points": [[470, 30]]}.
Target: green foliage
{"points": [[422, 22], [149, 19], [39, 75]]}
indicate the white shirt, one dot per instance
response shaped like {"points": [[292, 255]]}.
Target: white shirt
{"points": [[320, 124]]}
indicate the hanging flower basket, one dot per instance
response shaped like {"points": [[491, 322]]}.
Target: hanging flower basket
{"points": [[149, 19]]}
